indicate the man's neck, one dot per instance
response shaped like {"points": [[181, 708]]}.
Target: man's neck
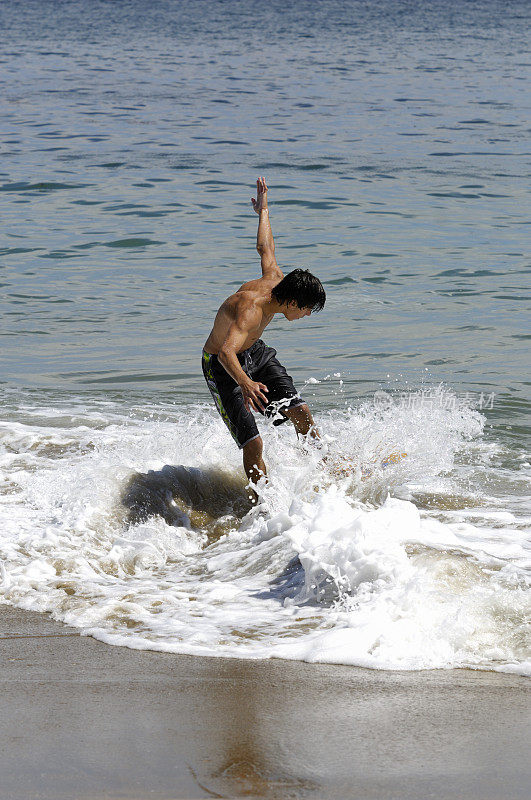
{"points": [[272, 307]]}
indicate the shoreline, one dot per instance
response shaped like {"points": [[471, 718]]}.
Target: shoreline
{"points": [[83, 719]]}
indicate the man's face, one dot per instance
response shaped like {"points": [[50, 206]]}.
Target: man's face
{"points": [[294, 312]]}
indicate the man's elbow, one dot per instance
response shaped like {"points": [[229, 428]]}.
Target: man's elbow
{"points": [[224, 354], [265, 249]]}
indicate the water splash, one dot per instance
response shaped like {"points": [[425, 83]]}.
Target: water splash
{"points": [[118, 523]]}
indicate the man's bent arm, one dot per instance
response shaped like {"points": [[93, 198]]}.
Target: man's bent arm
{"points": [[253, 391], [229, 361]]}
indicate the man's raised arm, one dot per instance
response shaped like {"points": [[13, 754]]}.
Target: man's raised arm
{"points": [[264, 239]]}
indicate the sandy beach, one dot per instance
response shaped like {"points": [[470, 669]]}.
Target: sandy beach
{"points": [[81, 719]]}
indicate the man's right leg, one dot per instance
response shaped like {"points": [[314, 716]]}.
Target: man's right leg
{"points": [[302, 419], [253, 463]]}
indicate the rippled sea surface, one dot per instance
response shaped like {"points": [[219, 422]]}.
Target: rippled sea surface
{"points": [[395, 140]]}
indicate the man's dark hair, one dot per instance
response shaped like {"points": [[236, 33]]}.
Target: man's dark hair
{"points": [[301, 287]]}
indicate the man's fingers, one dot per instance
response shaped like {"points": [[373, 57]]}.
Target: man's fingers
{"points": [[261, 185], [256, 398], [256, 401], [260, 393]]}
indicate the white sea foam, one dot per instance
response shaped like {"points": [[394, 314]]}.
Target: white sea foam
{"points": [[422, 565]]}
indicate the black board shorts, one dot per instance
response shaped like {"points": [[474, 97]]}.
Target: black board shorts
{"points": [[260, 364]]}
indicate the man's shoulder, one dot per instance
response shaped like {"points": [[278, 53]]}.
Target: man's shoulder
{"points": [[246, 306], [248, 300]]}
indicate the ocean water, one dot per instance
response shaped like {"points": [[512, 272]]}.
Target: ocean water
{"points": [[395, 140]]}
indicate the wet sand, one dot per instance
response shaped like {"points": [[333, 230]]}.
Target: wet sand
{"points": [[81, 719]]}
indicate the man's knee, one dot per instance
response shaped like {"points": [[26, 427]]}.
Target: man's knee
{"points": [[301, 417]]}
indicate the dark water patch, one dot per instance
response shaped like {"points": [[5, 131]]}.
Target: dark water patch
{"points": [[493, 103], [21, 332], [146, 214], [213, 182], [462, 195], [315, 167], [339, 281], [122, 206], [86, 245], [463, 272], [475, 122], [372, 355], [60, 254], [43, 186], [381, 255], [111, 164], [130, 243], [12, 251], [45, 297], [474, 328], [458, 292], [301, 246], [402, 214], [142, 377], [321, 205]]}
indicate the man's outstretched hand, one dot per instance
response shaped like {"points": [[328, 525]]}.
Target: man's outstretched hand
{"points": [[260, 201]]}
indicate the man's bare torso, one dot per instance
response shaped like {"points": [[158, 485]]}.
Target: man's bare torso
{"points": [[250, 297]]}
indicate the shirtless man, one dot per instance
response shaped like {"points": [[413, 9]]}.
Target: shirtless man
{"points": [[241, 372]]}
